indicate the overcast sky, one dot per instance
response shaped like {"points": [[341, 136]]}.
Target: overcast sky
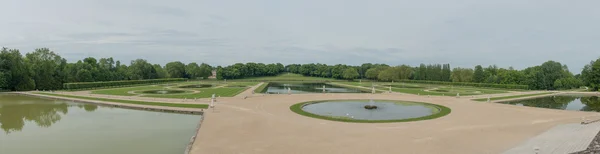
{"points": [[464, 33]]}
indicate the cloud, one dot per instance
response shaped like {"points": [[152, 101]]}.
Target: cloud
{"points": [[463, 33]]}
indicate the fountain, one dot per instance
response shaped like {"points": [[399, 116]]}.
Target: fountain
{"points": [[371, 105]]}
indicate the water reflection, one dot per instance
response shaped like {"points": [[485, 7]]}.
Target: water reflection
{"points": [[562, 102], [16, 110], [302, 87]]}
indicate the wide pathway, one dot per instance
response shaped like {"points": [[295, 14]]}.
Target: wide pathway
{"points": [[562, 139], [266, 125]]}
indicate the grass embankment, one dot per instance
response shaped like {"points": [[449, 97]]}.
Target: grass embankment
{"points": [[442, 111], [261, 88], [510, 97], [200, 106], [363, 89], [287, 77]]}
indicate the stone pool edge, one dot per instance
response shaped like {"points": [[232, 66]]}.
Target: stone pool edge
{"points": [[190, 145], [121, 105]]}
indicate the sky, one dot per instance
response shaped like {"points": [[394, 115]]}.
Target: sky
{"points": [[464, 33]]}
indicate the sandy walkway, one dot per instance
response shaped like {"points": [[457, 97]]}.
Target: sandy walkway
{"points": [[266, 125]]}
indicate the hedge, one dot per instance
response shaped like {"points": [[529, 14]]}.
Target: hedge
{"points": [[504, 86], [87, 85]]}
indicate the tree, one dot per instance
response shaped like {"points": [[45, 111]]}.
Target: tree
{"points": [[140, 69], [4, 79], [20, 72], [350, 73], [192, 71], [478, 75], [388, 74], [206, 70], [591, 75], [46, 67], [176, 69], [160, 71], [462, 75]]}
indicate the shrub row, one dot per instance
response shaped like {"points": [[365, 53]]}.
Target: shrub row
{"points": [[87, 85], [504, 86]]}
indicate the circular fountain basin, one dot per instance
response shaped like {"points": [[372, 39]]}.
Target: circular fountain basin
{"points": [[355, 111], [163, 91]]}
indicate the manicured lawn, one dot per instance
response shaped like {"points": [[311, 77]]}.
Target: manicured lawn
{"points": [[426, 89], [124, 91], [289, 77], [201, 106], [204, 93], [510, 97], [442, 111], [220, 89]]}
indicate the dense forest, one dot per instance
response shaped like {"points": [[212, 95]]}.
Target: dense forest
{"points": [[45, 70]]}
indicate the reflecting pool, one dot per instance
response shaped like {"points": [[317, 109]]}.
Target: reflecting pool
{"points": [[32, 125], [562, 102], [299, 87]]}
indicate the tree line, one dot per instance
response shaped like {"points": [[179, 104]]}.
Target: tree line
{"points": [[43, 69], [550, 75]]}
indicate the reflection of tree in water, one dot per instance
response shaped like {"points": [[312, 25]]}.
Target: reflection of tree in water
{"points": [[556, 102], [12, 117], [90, 107], [591, 103]]}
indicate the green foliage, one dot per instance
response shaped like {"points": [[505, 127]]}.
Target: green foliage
{"points": [[200, 106], [239, 70], [350, 73], [591, 75], [503, 86], [13, 63], [478, 75], [176, 69], [87, 85], [4, 79], [443, 111], [462, 75], [139, 69]]}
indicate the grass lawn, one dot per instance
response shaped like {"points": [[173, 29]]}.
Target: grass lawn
{"points": [[288, 77], [220, 89], [204, 93], [510, 97], [200, 106], [124, 91], [261, 88], [442, 111], [426, 89]]}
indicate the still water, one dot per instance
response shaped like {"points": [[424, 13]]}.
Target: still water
{"points": [[299, 87], [31, 125], [386, 110], [562, 102]]}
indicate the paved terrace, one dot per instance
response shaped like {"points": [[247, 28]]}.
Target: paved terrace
{"points": [[265, 124]]}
